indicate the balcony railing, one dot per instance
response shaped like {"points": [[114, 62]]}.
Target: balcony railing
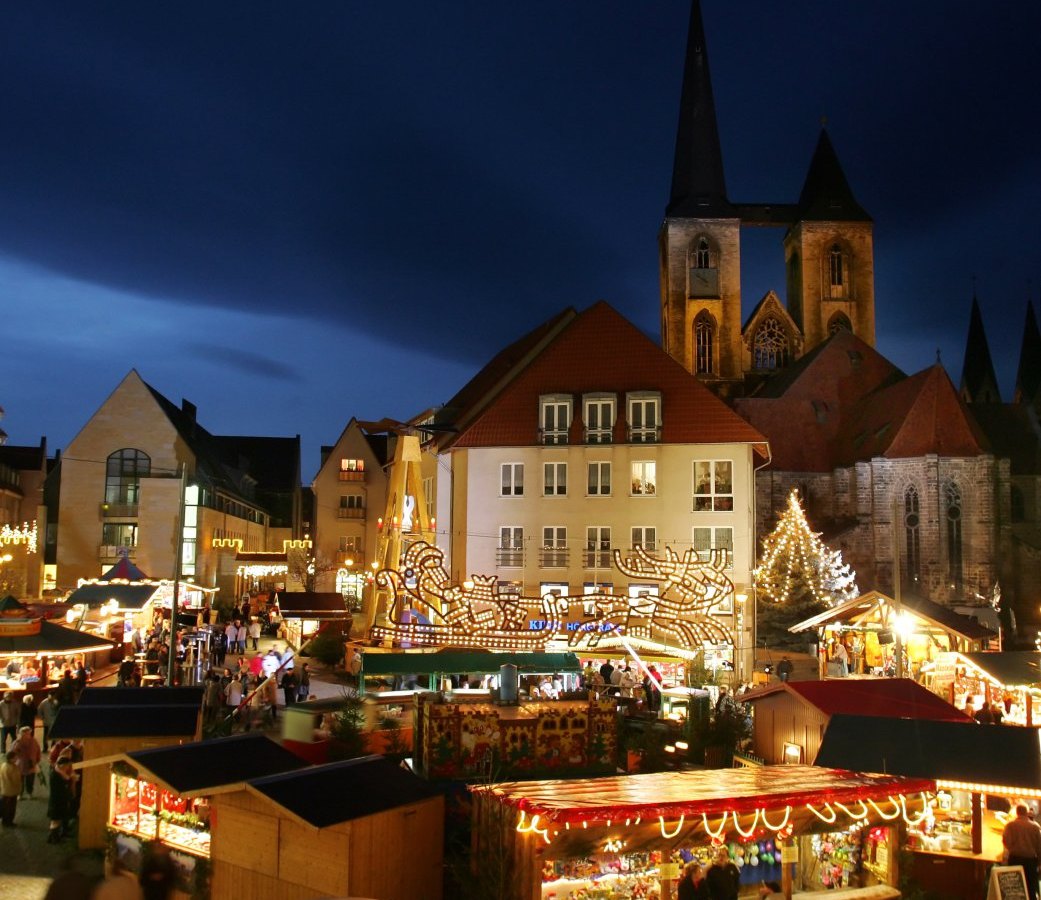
{"points": [[599, 436], [553, 557], [118, 510], [113, 551], [552, 437], [644, 435], [349, 475], [596, 559], [509, 557], [350, 512]]}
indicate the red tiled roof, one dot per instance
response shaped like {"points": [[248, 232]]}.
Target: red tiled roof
{"points": [[601, 351], [893, 698]]}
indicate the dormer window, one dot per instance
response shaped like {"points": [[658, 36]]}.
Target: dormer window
{"points": [[598, 414], [643, 412], [554, 418]]}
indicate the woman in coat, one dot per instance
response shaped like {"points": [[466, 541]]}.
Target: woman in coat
{"points": [[61, 803]]}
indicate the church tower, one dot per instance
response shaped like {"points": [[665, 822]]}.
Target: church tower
{"points": [[829, 255], [700, 239], [979, 384]]}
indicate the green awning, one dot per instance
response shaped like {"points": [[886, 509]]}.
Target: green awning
{"points": [[456, 661]]}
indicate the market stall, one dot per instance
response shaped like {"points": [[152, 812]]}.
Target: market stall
{"points": [[981, 774], [304, 612], [1010, 680], [629, 833]]}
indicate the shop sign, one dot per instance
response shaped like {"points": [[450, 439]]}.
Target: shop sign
{"points": [[19, 627], [944, 671], [668, 871], [789, 853], [1007, 883]]}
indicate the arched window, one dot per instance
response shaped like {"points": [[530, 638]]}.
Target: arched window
{"points": [[912, 523], [701, 255], [704, 344], [770, 347], [838, 322], [703, 266], [837, 269], [952, 506], [123, 473]]}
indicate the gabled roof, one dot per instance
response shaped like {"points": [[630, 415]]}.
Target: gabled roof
{"points": [[868, 607], [600, 351], [771, 305], [205, 766], [52, 639], [874, 697], [124, 569], [162, 720], [971, 753], [979, 384], [1010, 668], [698, 187], [181, 695], [340, 792], [1028, 375], [24, 459], [826, 195]]}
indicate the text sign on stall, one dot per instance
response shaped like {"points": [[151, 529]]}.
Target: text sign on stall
{"points": [[1007, 883], [668, 871], [789, 853]]}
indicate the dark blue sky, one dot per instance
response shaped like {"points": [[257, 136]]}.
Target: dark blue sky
{"points": [[295, 213]]}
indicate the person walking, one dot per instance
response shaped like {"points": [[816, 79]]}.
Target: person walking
{"points": [[231, 635], [241, 633], [784, 668], [48, 713], [10, 717], [10, 789], [304, 690], [290, 683], [1022, 839], [27, 750], [60, 804], [254, 633]]}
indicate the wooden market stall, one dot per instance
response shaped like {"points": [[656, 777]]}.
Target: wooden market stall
{"points": [[789, 718], [165, 794], [362, 828], [304, 612], [629, 832], [1010, 679], [110, 730], [981, 772], [872, 625]]}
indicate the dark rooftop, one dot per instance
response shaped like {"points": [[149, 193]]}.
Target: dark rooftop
{"points": [[135, 696], [126, 721]]}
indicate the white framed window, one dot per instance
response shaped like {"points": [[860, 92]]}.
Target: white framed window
{"points": [[713, 485], [352, 501], [644, 478], [598, 547], [511, 484], [644, 536], [554, 418], [510, 552], [598, 483], [594, 587], [598, 414], [554, 547], [350, 543], [643, 412], [352, 465], [554, 479]]}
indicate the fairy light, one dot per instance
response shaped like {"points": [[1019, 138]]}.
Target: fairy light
{"points": [[741, 831], [772, 827], [825, 819], [888, 818], [679, 825], [26, 534]]}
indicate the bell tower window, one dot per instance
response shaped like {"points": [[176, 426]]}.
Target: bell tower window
{"points": [[770, 347], [837, 323], [838, 267], [704, 344], [703, 268]]}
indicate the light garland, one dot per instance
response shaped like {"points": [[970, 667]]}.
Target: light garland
{"points": [[740, 830], [26, 534], [1005, 790], [824, 819], [661, 823], [863, 814], [259, 571], [888, 818]]}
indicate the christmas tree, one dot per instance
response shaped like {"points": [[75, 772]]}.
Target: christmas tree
{"points": [[798, 577]]}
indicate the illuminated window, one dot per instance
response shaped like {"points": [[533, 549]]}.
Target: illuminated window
{"points": [[912, 522], [713, 485], [512, 482], [554, 479], [352, 465], [598, 548], [643, 411], [119, 535], [599, 481], [123, 473], [704, 344], [554, 418], [510, 552], [598, 413], [770, 346], [645, 537], [644, 480], [350, 543]]}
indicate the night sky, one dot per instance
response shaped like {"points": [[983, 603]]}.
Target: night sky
{"points": [[295, 213]]}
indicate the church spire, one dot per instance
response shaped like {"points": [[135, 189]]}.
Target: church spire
{"points": [[978, 381], [1028, 375], [698, 187], [826, 195]]}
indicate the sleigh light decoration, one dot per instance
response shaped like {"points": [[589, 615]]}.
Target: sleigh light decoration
{"points": [[427, 609]]}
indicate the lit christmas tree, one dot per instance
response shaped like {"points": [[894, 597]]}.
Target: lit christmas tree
{"points": [[798, 577]]}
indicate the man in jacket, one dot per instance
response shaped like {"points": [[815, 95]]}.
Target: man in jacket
{"points": [[10, 788], [1022, 839], [10, 718]]}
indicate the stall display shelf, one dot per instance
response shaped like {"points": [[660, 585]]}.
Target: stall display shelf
{"points": [[611, 886], [195, 842]]}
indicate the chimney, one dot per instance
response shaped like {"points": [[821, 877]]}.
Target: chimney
{"points": [[188, 408]]}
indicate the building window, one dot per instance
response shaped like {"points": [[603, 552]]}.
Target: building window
{"points": [[912, 524], [644, 480], [554, 479], [837, 271], [352, 469], [599, 483], [598, 548], [838, 322], [512, 483], [644, 415], [123, 473], [350, 543], [554, 547], [704, 272], [511, 547], [770, 347], [644, 537], [428, 495], [952, 505], [352, 501], [707, 540], [119, 535], [713, 485], [554, 419], [704, 344], [598, 413]]}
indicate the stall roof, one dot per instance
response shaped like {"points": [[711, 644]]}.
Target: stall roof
{"points": [[1015, 668], [882, 697], [207, 767], [339, 792], [182, 695], [861, 607], [967, 753], [312, 605], [128, 596], [51, 640], [419, 663], [126, 721]]}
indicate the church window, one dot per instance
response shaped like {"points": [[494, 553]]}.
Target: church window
{"points": [[770, 347], [702, 256], [703, 269], [912, 533], [839, 277], [704, 344], [952, 506], [837, 323]]}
